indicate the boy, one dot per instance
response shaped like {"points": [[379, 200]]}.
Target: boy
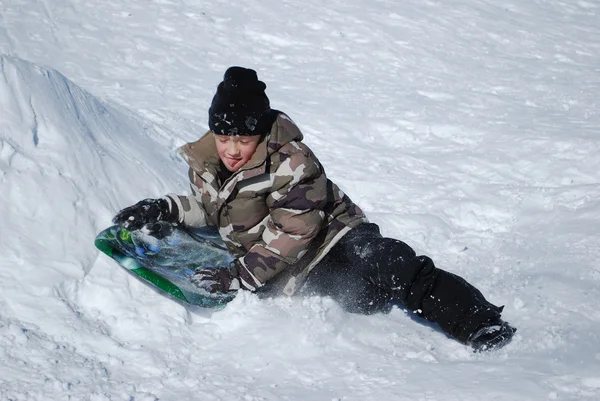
{"points": [[295, 231]]}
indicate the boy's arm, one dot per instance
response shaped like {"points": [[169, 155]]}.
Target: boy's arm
{"points": [[189, 209], [299, 193]]}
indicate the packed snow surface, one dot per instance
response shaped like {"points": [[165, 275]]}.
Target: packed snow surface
{"points": [[469, 129]]}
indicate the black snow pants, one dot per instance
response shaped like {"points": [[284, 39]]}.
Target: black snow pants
{"points": [[367, 273]]}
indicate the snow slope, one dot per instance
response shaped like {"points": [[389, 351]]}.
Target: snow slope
{"points": [[469, 129]]}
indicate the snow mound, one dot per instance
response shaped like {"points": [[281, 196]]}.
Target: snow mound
{"points": [[62, 144], [68, 162]]}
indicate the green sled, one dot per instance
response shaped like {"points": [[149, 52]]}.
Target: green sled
{"points": [[168, 258]]}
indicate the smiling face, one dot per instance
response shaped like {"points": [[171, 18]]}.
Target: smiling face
{"points": [[235, 151]]}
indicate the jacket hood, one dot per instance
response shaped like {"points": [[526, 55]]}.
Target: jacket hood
{"points": [[202, 154]]}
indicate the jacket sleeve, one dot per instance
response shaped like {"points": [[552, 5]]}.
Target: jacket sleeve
{"points": [[296, 199], [189, 208]]}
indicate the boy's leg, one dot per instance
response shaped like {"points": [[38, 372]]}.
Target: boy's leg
{"points": [[437, 295], [366, 271]]}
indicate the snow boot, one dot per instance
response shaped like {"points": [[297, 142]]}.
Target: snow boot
{"points": [[492, 336]]}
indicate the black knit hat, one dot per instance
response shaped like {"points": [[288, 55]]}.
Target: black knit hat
{"points": [[240, 106]]}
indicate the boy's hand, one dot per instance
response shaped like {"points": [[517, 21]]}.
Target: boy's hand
{"points": [[144, 212], [222, 279]]}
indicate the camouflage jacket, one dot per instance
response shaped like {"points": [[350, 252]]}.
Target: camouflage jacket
{"points": [[279, 213]]}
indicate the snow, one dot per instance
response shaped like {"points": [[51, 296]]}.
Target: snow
{"points": [[468, 129]]}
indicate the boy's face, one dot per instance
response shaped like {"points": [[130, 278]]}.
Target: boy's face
{"points": [[235, 151]]}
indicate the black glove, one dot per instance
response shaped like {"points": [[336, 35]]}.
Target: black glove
{"points": [[218, 279], [145, 212]]}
